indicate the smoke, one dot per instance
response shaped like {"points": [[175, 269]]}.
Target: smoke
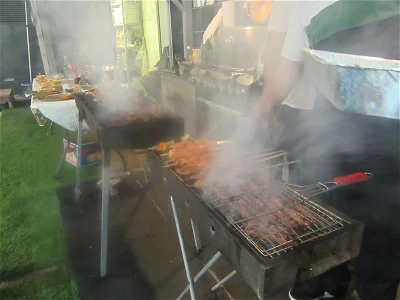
{"points": [[80, 30], [83, 32], [332, 142], [84, 28]]}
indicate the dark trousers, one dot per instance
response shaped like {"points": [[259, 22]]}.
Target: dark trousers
{"points": [[340, 144]]}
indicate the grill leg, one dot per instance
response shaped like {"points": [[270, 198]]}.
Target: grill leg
{"points": [[183, 251], [222, 281], [210, 263], [196, 236], [79, 162], [57, 175], [104, 213], [144, 168], [351, 286]]}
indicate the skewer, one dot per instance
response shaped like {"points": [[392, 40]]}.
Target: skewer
{"points": [[266, 154], [211, 150], [281, 152], [171, 165], [284, 164], [274, 156]]}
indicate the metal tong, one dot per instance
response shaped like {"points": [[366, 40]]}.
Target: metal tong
{"points": [[322, 187]]}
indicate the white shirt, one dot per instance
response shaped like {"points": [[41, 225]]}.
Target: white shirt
{"points": [[279, 18], [215, 24], [300, 17], [303, 95]]}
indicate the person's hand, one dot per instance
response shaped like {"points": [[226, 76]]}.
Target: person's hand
{"points": [[261, 110], [257, 108]]}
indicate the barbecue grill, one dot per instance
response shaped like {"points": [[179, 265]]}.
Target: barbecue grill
{"points": [[269, 232], [137, 134]]}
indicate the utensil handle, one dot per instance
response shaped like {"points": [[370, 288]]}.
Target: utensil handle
{"points": [[352, 178]]}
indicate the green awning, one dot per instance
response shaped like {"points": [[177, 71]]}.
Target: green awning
{"points": [[345, 14]]}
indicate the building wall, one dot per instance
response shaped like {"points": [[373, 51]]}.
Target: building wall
{"points": [[14, 50]]}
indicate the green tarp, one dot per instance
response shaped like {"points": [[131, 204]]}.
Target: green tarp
{"points": [[345, 14]]}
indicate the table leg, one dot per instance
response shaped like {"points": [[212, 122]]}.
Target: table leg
{"points": [[79, 160], [56, 176], [104, 213]]}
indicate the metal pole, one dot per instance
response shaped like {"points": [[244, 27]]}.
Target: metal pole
{"points": [[196, 236], [27, 42], [160, 46], [128, 68], [79, 162], [187, 23], [221, 282], [183, 251], [171, 47], [210, 263], [64, 155], [104, 213]]}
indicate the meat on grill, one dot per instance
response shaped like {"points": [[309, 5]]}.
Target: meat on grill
{"points": [[162, 148], [267, 216]]}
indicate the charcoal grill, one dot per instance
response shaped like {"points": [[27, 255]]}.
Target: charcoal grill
{"points": [[137, 135], [271, 253]]}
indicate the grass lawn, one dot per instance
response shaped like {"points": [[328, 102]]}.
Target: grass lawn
{"points": [[31, 233]]}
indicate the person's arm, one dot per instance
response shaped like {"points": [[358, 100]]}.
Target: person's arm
{"points": [[280, 84], [272, 55], [213, 27]]}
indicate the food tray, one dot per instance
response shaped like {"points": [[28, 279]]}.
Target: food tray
{"points": [[356, 84]]}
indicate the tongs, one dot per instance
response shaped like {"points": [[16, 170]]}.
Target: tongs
{"points": [[322, 187]]}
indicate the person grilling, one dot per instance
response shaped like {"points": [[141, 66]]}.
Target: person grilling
{"points": [[333, 143]]}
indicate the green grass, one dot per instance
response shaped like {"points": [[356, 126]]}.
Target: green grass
{"points": [[58, 284], [31, 233]]}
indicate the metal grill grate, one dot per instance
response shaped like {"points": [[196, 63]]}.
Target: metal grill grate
{"points": [[275, 218], [270, 215]]}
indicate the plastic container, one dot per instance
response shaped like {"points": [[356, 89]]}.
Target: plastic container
{"points": [[91, 152]]}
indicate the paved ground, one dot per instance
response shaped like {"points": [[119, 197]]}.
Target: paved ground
{"points": [[144, 256]]}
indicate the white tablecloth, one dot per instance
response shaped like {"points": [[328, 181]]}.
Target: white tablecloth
{"points": [[63, 113]]}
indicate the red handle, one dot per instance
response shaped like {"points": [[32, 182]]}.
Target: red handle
{"points": [[352, 178]]}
